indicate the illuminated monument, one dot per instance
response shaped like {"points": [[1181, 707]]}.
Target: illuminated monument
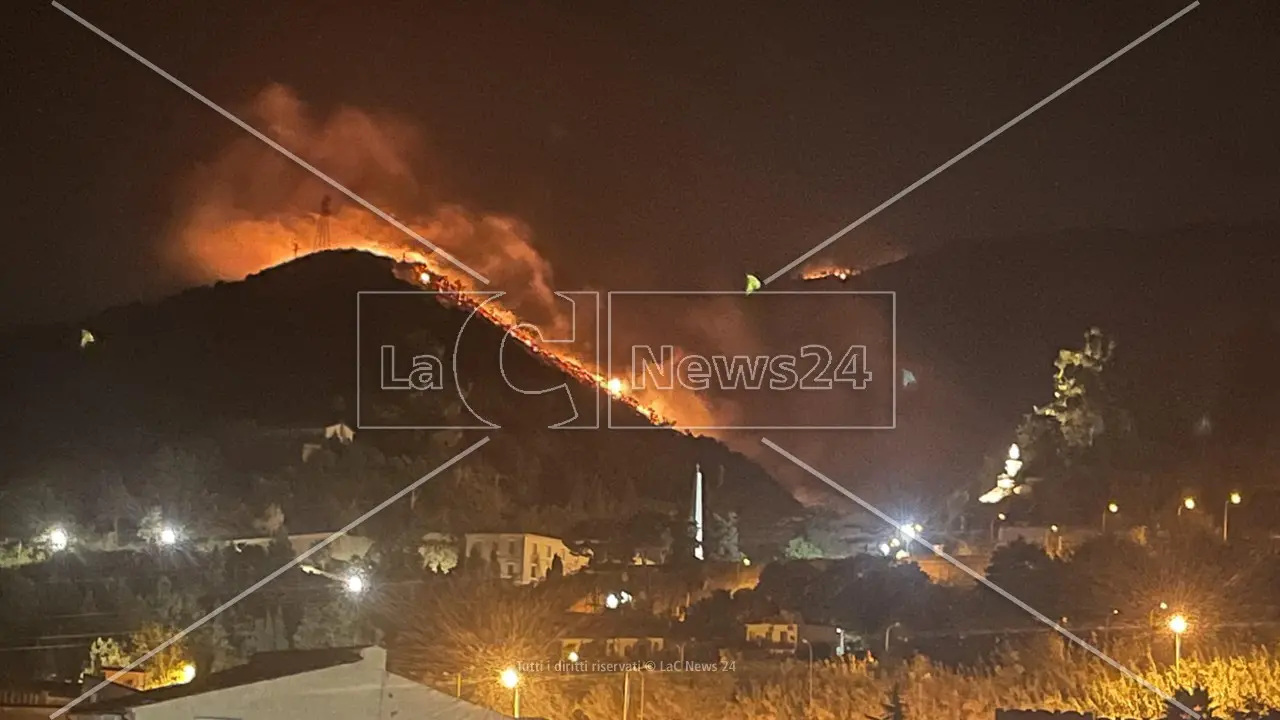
{"points": [[697, 512]]}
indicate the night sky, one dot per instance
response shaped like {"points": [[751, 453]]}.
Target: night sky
{"points": [[648, 144]]}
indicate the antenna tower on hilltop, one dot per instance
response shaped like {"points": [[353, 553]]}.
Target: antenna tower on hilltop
{"points": [[322, 224]]}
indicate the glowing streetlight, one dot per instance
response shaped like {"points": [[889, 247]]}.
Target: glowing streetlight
{"points": [[1232, 499], [188, 673], [354, 584], [58, 539], [511, 680], [168, 536], [746, 561], [573, 656], [885, 549], [1112, 509], [1188, 503], [1177, 624]]}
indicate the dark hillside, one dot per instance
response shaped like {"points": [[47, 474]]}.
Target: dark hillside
{"points": [[278, 349]]}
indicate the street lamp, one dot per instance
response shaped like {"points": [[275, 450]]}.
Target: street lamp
{"points": [[1112, 509], [1001, 517], [354, 584], [1232, 499], [511, 681], [1188, 502], [1178, 624], [168, 536], [810, 646], [58, 539], [887, 631]]}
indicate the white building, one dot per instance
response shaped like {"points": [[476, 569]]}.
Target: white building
{"points": [[522, 557], [340, 684]]}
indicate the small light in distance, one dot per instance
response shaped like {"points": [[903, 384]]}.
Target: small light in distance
{"points": [[1189, 503], [58, 539], [611, 601], [424, 276], [354, 584], [188, 673], [1235, 498], [902, 555], [1002, 516], [616, 386], [885, 549], [1178, 624], [909, 530], [573, 656], [168, 536], [1053, 528], [1113, 508], [510, 678], [746, 561]]}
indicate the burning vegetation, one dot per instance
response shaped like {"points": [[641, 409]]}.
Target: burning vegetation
{"points": [[827, 271]]}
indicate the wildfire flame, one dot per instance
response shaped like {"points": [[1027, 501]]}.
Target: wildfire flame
{"points": [[453, 286], [842, 273], [243, 218]]}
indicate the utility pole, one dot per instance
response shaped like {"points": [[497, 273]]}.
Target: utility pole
{"points": [[626, 692]]}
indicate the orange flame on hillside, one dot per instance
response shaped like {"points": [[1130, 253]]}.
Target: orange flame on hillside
{"points": [[243, 217]]}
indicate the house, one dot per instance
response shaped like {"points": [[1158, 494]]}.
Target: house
{"points": [[786, 636], [346, 683], [35, 701], [615, 637], [345, 549], [522, 557]]}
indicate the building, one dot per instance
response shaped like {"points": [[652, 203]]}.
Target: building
{"points": [[345, 549], [522, 557], [782, 636], [615, 636], [346, 683], [35, 701]]}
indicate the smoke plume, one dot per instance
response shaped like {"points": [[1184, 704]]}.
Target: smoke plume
{"points": [[252, 208]]}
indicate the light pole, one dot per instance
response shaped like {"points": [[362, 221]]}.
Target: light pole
{"points": [[887, 631], [1178, 624], [511, 680], [1232, 499], [810, 646], [1000, 517], [1111, 509]]}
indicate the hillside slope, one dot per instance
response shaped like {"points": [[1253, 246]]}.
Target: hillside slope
{"points": [[279, 349]]}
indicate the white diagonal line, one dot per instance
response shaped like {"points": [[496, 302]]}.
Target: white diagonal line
{"points": [[273, 144], [980, 578], [991, 136], [277, 573]]}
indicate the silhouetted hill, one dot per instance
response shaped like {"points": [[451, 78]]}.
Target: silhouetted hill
{"points": [[279, 349], [1195, 313]]}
